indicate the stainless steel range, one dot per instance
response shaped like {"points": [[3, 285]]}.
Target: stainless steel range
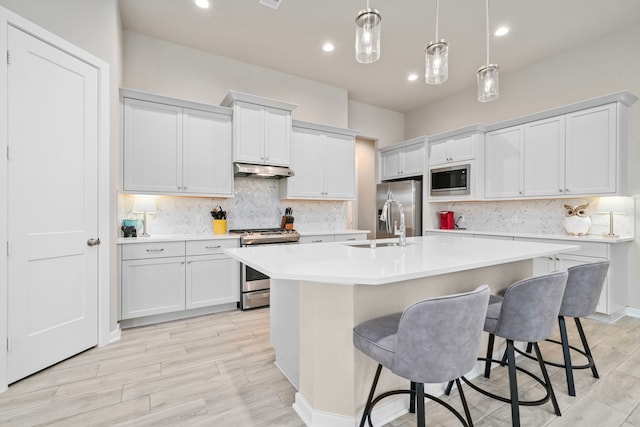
{"points": [[255, 286]]}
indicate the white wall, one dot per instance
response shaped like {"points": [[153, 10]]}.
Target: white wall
{"points": [[170, 69], [93, 25], [607, 65], [384, 126]]}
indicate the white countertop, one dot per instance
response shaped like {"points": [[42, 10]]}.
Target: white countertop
{"points": [[340, 263], [183, 237], [175, 238], [587, 238]]}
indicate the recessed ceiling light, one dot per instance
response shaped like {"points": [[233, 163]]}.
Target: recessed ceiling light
{"points": [[501, 31], [412, 77], [204, 4], [328, 47]]}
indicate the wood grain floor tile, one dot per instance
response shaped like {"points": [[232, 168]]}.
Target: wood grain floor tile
{"points": [[218, 370]]}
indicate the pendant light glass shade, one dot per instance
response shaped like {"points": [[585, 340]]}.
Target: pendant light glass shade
{"points": [[368, 25], [488, 83], [437, 62], [436, 57], [488, 76]]}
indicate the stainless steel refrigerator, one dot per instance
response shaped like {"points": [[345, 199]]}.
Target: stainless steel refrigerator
{"points": [[409, 194]]}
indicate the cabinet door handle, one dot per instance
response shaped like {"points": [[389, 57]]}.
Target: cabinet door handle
{"points": [[213, 247], [182, 263], [185, 187], [560, 190], [566, 190], [348, 240], [316, 241], [155, 250], [93, 242]]}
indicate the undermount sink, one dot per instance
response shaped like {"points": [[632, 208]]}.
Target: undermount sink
{"points": [[378, 245]]}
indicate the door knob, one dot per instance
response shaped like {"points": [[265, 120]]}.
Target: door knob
{"points": [[93, 242]]}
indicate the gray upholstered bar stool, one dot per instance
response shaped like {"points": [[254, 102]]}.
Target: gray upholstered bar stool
{"points": [[432, 341], [527, 313], [581, 296]]}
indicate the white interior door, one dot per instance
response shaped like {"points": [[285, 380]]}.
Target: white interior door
{"points": [[52, 205]]}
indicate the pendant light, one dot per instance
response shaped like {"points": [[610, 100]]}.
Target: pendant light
{"points": [[436, 58], [488, 78], [368, 25]]}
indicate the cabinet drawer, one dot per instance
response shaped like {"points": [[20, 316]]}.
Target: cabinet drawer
{"points": [[592, 249], [349, 237], [208, 247], [317, 239], [152, 250]]}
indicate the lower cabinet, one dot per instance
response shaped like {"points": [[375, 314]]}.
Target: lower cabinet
{"points": [[168, 277], [152, 286], [614, 293]]}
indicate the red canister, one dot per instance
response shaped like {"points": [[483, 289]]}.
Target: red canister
{"points": [[447, 220]]}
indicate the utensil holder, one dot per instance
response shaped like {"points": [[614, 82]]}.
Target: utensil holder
{"points": [[219, 226]]}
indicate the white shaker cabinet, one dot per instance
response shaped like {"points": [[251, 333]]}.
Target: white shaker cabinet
{"points": [[574, 154], [152, 155], [403, 161], [170, 148], [206, 153], [177, 279], [153, 279], [591, 151], [212, 278], [544, 157], [452, 149], [613, 298], [323, 160], [261, 129], [262, 135], [504, 167]]}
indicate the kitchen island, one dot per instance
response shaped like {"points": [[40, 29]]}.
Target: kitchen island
{"points": [[320, 292]]}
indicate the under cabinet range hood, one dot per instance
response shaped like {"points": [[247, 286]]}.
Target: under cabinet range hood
{"points": [[262, 171]]}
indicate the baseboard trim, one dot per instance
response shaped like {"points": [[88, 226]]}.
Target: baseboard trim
{"points": [[382, 414], [176, 315], [115, 335], [633, 312]]}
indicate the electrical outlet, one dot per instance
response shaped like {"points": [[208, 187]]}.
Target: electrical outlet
{"points": [[514, 219], [200, 219]]}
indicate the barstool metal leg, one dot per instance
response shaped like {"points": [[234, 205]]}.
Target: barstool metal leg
{"points": [[547, 381], [412, 398], [467, 413], [420, 404], [587, 350], [487, 363], [367, 407], [566, 352], [513, 385]]}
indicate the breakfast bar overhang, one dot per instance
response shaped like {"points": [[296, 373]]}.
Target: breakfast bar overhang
{"points": [[319, 292]]}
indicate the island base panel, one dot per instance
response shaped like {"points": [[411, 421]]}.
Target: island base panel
{"points": [[335, 377]]}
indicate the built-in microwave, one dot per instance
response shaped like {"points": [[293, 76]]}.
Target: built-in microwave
{"points": [[450, 180]]}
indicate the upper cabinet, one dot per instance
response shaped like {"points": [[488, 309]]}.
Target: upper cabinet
{"points": [[574, 154], [261, 129], [323, 160], [175, 147], [402, 160], [455, 147]]}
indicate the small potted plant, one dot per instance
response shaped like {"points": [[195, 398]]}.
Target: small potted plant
{"points": [[219, 220]]}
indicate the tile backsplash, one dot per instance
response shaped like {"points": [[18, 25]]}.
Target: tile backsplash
{"points": [[535, 216], [256, 204]]}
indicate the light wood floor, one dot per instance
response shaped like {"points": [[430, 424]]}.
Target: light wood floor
{"points": [[218, 370]]}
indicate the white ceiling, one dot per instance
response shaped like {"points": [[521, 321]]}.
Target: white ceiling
{"points": [[290, 39]]}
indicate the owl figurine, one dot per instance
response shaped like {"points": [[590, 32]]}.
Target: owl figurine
{"points": [[576, 222]]}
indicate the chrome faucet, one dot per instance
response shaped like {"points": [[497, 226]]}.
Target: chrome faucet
{"points": [[401, 233]]}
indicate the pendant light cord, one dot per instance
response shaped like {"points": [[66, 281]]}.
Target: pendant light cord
{"points": [[437, 16], [487, 12]]}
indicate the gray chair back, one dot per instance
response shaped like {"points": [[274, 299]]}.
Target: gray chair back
{"points": [[439, 338], [584, 287], [530, 307]]}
